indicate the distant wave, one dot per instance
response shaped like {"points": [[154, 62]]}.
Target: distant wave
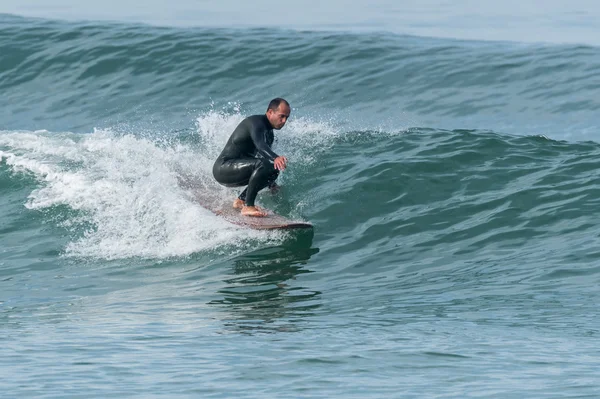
{"points": [[99, 70]]}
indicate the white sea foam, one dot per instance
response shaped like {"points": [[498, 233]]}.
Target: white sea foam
{"points": [[127, 189]]}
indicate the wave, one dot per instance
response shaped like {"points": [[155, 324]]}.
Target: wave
{"points": [[429, 187], [90, 74]]}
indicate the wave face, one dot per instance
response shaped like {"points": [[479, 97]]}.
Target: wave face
{"points": [[452, 184]]}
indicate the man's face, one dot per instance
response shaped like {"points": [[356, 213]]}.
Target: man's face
{"points": [[279, 117]]}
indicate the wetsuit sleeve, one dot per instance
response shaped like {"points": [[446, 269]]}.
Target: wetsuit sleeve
{"points": [[259, 137]]}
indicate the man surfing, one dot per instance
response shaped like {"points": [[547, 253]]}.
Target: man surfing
{"points": [[248, 160]]}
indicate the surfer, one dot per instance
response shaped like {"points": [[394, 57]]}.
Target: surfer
{"points": [[248, 160]]}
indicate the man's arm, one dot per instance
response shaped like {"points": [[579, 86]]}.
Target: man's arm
{"points": [[257, 132]]}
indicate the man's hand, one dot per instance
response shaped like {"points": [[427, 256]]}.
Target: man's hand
{"points": [[280, 163]]}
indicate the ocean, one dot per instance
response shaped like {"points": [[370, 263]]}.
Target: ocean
{"points": [[447, 155]]}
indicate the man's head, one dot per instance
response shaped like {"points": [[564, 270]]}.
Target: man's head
{"points": [[278, 112]]}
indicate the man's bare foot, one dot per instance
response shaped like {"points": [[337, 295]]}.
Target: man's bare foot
{"points": [[238, 203], [253, 211]]}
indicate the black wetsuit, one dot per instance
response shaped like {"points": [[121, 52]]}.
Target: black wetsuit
{"points": [[247, 158]]}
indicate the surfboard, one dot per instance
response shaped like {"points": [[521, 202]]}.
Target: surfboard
{"points": [[223, 208]]}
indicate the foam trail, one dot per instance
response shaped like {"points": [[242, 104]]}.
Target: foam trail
{"points": [[124, 191]]}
